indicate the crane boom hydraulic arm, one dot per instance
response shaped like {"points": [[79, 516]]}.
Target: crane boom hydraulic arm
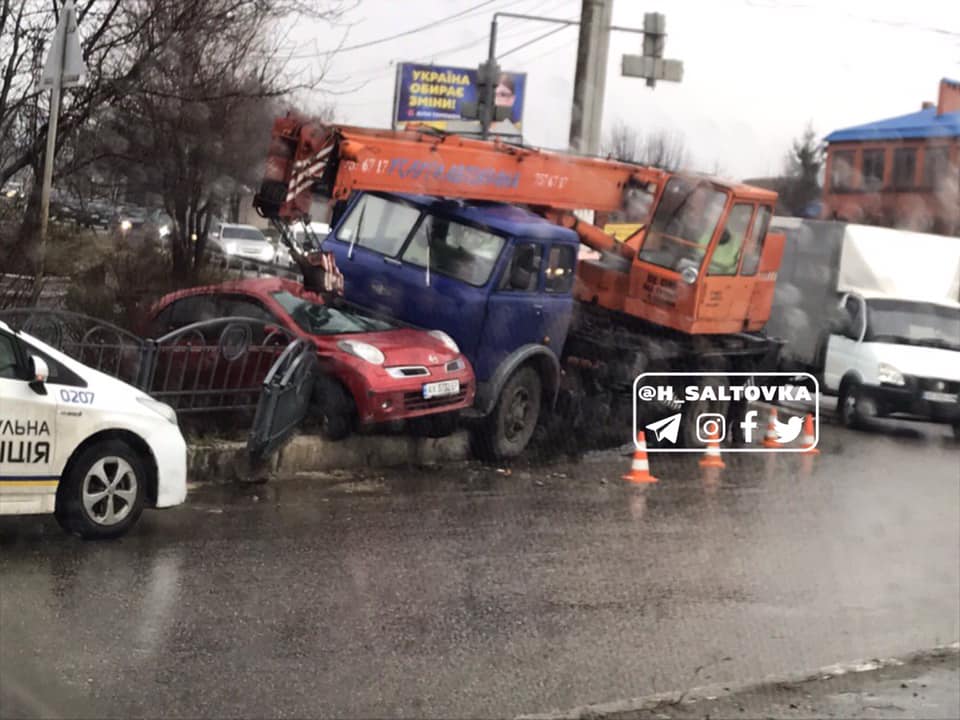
{"points": [[335, 160]]}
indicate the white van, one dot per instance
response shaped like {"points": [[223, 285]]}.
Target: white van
{"points": [[80, 444], [895, 356]]}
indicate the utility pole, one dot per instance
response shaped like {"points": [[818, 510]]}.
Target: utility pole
{"points": [[64, 68], [586, 117]]}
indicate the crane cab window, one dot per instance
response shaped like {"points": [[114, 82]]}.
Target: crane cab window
{"points": [[560, 266], [378, 224], [754, 245], [683, 224], [453, 249], [523, 273], [726, 255]]}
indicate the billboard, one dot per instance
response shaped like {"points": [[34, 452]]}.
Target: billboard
{"points": [[434, 94]]}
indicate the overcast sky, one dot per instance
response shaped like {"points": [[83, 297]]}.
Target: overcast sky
{"points": [[756, 71]]}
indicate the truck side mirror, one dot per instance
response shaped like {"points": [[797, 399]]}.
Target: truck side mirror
{"points": [[39, 372]]}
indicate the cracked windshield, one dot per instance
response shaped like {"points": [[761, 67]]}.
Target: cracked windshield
{"points": [[479, 359]]}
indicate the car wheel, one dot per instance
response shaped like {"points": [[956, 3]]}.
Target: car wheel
{"points": [[849, 405], [510, 426], [101, 496], [334, 408]]}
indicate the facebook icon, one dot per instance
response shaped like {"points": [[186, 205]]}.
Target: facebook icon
{"points": [[748, 425]]}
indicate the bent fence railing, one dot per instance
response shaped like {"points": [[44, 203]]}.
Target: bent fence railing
{"points": [[212, 366]]}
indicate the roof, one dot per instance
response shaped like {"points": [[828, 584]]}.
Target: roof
{"points": [[502, 218], [923, 124]]}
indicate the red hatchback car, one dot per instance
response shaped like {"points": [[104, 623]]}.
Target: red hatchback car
{"points": [[376, 371]]}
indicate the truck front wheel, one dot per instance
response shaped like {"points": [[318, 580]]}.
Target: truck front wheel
{"points": [[508, 429], [851, 406]]}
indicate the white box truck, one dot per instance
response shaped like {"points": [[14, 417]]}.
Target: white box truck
{"points": [[875, 314]]}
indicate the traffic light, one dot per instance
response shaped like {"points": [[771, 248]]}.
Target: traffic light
{"points": [[485, 108]]}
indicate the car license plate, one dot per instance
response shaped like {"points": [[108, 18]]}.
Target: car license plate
{"points": [[441, 389], [939, 396]]}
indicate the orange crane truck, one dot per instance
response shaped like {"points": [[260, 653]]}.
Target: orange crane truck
{"points": [[480, 239]]}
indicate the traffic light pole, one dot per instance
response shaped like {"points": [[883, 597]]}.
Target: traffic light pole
{"points": [[594, 79]]}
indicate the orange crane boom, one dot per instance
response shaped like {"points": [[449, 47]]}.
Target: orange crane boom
{"points": [[669, 275], [337, 160]]}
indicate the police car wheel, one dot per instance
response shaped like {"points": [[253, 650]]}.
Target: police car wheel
{"points": [[101, 496]]}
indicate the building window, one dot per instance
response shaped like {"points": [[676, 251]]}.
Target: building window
{"points": [[872, 169], [904, 168], [841, 171], [936, 165]]}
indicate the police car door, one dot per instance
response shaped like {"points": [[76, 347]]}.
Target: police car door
{"points": [[28, 414]]}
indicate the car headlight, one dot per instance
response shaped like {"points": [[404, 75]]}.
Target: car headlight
{"points": [[362, 350], [230, 247], [163, 230], [445, 339], [125, 225], [161, 409], [889, 375]]}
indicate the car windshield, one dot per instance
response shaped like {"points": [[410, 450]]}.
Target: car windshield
{"points": [[913, 323], [319, 319], [683, 224], [242, 233]]}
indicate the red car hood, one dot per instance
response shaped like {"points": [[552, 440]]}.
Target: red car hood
{"points": [[406, 347]]}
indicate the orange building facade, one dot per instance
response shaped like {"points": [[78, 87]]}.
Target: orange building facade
{"points": [[902, 172]]}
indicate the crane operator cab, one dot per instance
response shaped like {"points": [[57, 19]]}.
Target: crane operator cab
{"points": [[707, 263]]}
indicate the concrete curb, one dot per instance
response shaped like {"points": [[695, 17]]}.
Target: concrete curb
{"points": [[623, 709], [225, 461]]}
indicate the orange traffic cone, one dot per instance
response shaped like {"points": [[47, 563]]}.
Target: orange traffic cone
{"points": [[809, 439], [711, 458], [770, 439], [640, 468]]}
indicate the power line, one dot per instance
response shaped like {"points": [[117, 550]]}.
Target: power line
{"points": [[414, 31], [538, 38]]}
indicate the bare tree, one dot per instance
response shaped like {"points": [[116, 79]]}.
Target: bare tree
{"points": [[660, 149], [158, 57]]}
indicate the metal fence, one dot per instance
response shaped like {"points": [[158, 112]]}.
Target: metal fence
{"points": [[212, 366]]}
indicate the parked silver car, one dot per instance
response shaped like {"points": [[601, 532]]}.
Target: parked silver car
{"points": [[241, 242]]}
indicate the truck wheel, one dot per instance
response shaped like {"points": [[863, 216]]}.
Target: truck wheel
{"points": [[101, 495], [510, 426], [333, 408], [849, 405]]}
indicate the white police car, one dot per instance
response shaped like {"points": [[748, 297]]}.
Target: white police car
{"points": [[80, 444]]}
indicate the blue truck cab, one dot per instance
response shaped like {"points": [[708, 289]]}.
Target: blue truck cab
{"points": [[497, 278]]}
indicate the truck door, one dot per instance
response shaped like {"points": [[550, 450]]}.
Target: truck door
{"points": [[556, 299], [844, 349], [516, 311], [762, 254], [29, 471], [726, 295], [366, 244]]}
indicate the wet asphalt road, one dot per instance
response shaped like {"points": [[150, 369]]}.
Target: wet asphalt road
{"points": [[465, 591]]}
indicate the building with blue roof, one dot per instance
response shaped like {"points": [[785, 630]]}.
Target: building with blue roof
{"points": [[901, 172]]}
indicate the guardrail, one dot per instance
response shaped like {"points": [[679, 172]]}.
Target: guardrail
{"points": [[211, 366]]}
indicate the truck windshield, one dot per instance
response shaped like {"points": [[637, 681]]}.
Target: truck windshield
{"points": [[455, 250], [683, 224], [913, 323], [319, 319]]}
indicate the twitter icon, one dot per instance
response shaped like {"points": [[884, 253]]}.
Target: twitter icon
{"points": [[789, 431]]}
